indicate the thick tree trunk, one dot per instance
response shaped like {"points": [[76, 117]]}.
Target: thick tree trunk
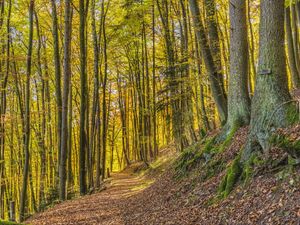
{"points": [[271, 107], [238, 95]]}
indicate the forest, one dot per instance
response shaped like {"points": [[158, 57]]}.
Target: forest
{"points": [[149, 112]]}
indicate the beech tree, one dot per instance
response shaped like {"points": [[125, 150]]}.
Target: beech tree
{"points": [[211, 67], [83, 99], [27, 115], [66, 89], [271, 103], [238, 95]]}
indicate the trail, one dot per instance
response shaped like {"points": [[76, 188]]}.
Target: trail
{"points": [[99, 208]]}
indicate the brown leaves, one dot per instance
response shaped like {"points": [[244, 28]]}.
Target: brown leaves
{"points": [[265, 200]]}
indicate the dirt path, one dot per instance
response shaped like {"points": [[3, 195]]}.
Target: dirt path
{"points": [[99, 208]]}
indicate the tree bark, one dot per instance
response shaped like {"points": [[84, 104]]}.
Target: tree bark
{"points": [[65, 100], [271, 106], [57, 66], [290, 48], [238, 95], [83, 101], [213, 73], [27, 116], [214, 40]]}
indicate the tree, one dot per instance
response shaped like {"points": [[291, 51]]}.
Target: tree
{"points": [[95, 108], [271, 105], [238, 95], [65, 100], [27, 115], [56, 57], [83, 99], [214, 40], [104, 87], [213, 72], [291, 50], [172, 76]]}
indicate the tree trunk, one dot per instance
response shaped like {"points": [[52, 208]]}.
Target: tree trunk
{"points": [[213, 73], [238, 95], [93, 133], [65, 100], [214, 40], [154, 119], [27, 116], [56, 57], [83, 101], [271, 106], [290, 48], [104, 104]]}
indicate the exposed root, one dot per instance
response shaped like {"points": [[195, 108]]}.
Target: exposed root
{"points": [[232, 176], [292, 147]]}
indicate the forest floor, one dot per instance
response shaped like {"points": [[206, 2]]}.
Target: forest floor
{"points": [[106, 206], [158, 196]]}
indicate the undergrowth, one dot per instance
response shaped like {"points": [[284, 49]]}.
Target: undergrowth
{"points": [[194, 154], [283, 142]]}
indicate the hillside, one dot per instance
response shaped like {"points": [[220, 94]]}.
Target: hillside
{"points": [[170, 193]]}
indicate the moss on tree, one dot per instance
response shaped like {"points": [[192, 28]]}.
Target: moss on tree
{"points": [[292, 147], [232, 175]]}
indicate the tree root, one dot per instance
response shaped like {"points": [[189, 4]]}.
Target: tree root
{"points": [[232, 176], [289, 146]]}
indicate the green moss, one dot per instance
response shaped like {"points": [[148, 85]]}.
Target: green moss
{"points": [[192, 155], [223, 184], [292, 114], [188, 159], [202, 133], [231, 177], [229, 138], [291, 147], [213, 168], [209, 145], [248, 167]]}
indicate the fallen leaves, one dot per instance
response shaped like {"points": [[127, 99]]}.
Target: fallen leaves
{"points": [[264, 200]]}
